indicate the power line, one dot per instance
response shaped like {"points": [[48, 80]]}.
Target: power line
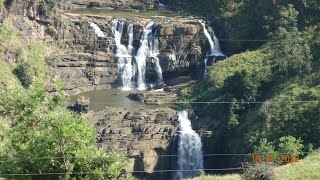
{"points": [[212, 102], [88, 173], [164, 155]]}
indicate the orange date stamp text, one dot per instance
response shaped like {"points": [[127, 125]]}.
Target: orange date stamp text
{"points": [[282, 158]]}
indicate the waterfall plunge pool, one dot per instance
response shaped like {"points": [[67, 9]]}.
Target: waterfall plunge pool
{"points": [[127, 14], [111, 98]]}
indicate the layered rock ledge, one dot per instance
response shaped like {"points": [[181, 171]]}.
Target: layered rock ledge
{"points": [[142, 134]]}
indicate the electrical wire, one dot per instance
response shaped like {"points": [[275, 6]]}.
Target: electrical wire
{"points": [[88, 173]]}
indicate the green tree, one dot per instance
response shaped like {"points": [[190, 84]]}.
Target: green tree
{"points": [[289, 144], [40, 136], [264, 147], [291, 51]]}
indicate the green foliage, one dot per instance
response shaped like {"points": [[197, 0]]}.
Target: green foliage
{"points": [[9, 42], [43, 137], [255, 63], [233, 117], [289, 144], [7, 79], [200, 173], [264, 147], [281, 117], [31, 64], [47, 5], [291, 51], [237, 79]]}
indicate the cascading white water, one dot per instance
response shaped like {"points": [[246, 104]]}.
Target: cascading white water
{"points": [[149, 49], [158, 70], [130, 40], [215, 49], [153, 53], [124, 54], [96, 29], [214, 43], [206, 33], [189, 149]]}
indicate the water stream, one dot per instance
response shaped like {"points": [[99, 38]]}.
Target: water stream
{"points": [[189, 158], [132, 67], [97, 29], [215, 49], [124, 55]]}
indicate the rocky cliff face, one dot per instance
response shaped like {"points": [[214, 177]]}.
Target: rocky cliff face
{"points": [[144, 135], [182, 46]]}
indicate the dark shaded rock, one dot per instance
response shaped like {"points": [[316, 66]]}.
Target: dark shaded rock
{"points": [[82, 105]]}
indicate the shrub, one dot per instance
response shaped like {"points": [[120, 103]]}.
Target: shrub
{"points": [[42, 136], [200, 173], [258, 171], [32, 64], [289, 144]]}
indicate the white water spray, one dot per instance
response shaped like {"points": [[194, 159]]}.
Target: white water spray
{"points": [[215, 49], [124, 54], [149, 49], [189, 149], [97, 29]]}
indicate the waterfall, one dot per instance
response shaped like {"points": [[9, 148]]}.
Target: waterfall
{"points": [[189, 149], [130, 40], [158, 70], [215, 49], [153, 53], [124, 55], [97, 29], [206, 33], [148, 51], [214, 43]]}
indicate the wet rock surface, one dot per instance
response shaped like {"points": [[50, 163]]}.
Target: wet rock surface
{"points": [[157, 98]]}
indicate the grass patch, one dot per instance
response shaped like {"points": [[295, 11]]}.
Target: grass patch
{"points": [[307, 169], [219, 177]]}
